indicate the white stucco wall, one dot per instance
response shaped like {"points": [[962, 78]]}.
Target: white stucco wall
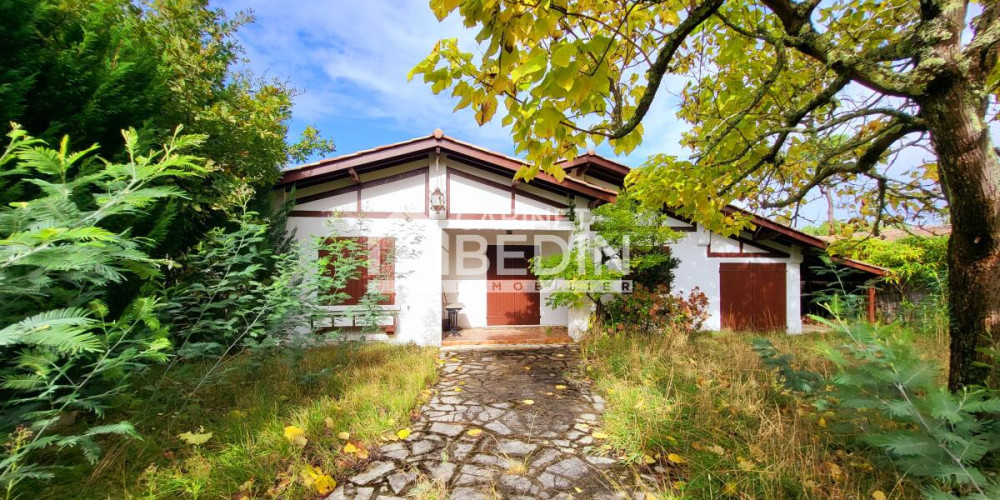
{"points": [[466, 282], [417, 266], [697, 269], [425, 244]]}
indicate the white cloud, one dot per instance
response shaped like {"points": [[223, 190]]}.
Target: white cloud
{"points": [[351, 60]]}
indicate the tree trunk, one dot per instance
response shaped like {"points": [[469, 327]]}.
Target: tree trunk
{"points": [[969, 167]]}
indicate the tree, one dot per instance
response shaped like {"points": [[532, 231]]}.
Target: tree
{"points": [[782, 97], [87, 70]]}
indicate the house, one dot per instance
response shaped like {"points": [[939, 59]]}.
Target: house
{"points": [[461, 228]]}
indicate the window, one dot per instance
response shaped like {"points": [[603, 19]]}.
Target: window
{"points": [[379, 271]]}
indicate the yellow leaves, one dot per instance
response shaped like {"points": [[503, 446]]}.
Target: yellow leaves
{"points": [[878, 495], [343, 435], [296, 435], [314, 478], [648, 459], [474, 432], [675, 458], [195, 438], [599, 435], [730, 489], [528, 402], [457, 389], [403, 433], [822, 422], [485, 110], [834, 470], [560, 387], [442, 8], [718, 450], [350, 449]]}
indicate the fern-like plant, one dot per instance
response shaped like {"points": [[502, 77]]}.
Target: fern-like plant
{"points": [[63, 352], [896, 400]]}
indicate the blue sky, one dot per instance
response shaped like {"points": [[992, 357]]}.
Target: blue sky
{"points": [[349, 60]]}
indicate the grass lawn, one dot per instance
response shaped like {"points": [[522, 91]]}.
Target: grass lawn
{"points": [[733, 430], [368, 391]]}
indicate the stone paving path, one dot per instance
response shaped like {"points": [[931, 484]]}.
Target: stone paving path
{"points": [[532, 436]]}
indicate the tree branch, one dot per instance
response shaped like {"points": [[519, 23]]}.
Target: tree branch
{"points": [[654, 75], [803, 37], [792, 120], [864, 162]]}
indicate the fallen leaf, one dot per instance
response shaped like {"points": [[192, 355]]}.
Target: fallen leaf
{"points": [[835, 472], [718, 450], [730, 490], [675, 458], [878, 495], [344, 436], [403, 433], [822, 422], [744, 464], [474, 432], [328, 422], [599, 435], [324, 484], [195, 439], [350, 448], [315, 478], [292, 432], [457, 389], [648, 459], [528, 402], [560, 387]]}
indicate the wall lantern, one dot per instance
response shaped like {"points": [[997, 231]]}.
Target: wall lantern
{"points": [[437, 200]]}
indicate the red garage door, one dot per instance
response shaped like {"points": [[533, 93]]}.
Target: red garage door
{"points": [[511, 299], [753, 296]]}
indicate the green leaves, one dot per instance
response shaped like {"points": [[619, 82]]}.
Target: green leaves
{"points": [[57, 254], [934, 434]]}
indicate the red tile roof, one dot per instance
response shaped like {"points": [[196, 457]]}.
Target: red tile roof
{"points": [[392, 154]]}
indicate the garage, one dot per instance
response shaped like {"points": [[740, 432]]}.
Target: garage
{"points": [[752, 296]]}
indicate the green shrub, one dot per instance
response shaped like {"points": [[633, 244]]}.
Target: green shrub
{"points": [[64, 352], [891, 398], [947, 439]]}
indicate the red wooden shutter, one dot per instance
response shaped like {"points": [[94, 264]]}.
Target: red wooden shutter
{"points": [[387, 270], [355, 287]]}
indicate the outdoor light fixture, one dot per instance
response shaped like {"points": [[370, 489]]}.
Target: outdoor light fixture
{"points": [[437, 200]]}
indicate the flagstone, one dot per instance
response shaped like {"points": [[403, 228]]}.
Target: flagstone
{"points": [[531, 439]]}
